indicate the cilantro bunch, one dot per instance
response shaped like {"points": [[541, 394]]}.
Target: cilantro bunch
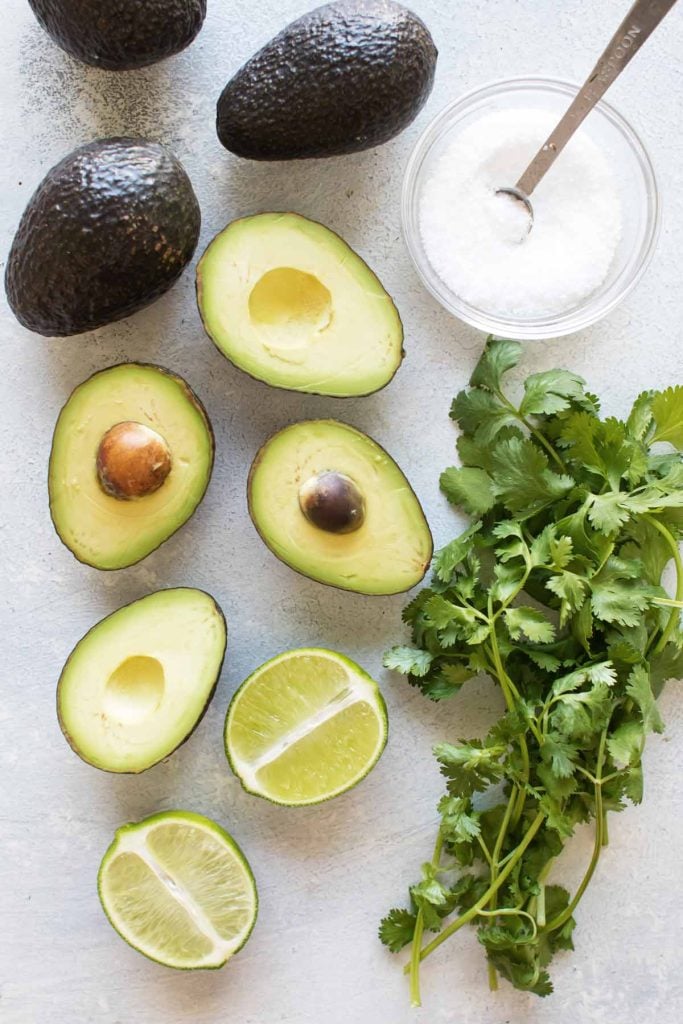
{"points": [[555, 592]]}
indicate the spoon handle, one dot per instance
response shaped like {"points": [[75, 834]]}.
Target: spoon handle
{"points": [[636, 27]]}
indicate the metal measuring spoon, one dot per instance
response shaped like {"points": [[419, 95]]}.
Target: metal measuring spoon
{"points": [[637, 26]]}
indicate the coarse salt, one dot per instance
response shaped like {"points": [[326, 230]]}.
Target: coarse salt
{"points": [[477, 241]]}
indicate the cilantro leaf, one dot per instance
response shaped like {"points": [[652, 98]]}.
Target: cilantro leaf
{"points": [[667, 410], [608, 512], [640, 417], [571, 589], [523, 481], [498, 357], [397, 928], [559, 754], [458, 823], [470, 488], [625, 745], [665, 665], [469, 767], [454, 553], [640, 691], [550, 392], [480, 413], [408, 660], [600, 672], [444, 681], [614, 599], [646, 543], [531, 622]]}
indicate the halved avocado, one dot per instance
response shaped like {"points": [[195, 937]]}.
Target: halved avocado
{"points": [[137, 685], [332, 504], [287, 300], [131, 459]]}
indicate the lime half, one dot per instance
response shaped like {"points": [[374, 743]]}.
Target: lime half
{"points": [[304, 727], [177, 888]]}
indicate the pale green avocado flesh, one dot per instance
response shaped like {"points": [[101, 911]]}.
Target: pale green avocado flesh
{"points": [[390, 551], [137, 684], [287, 300], [104, 531]]}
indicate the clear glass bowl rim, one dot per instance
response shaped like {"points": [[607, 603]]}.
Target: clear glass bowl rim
{"points": [[538, 328]]}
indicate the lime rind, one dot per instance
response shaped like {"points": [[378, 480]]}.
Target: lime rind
{"points": [[363, 688], [130, 838]]}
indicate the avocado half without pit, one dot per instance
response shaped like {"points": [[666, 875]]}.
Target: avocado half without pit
{"points": [[334, 506], [287, 300], [137, 685], [131, 459]]}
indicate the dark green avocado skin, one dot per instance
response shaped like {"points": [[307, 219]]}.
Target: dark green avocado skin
{"points": [[342, 78], [107, 232], [121, 35]]}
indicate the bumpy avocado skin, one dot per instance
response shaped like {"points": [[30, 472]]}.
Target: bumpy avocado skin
{"points": [[108, 231], [121, 35], [342, 78]]}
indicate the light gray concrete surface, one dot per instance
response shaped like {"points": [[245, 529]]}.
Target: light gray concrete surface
{"points": [[327, 874]]}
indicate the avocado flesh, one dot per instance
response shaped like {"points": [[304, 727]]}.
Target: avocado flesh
{"points": [[287, 300], [392, 549], [342, 78], [104, 531], [121, 34], [135, 687], [108, 231]]}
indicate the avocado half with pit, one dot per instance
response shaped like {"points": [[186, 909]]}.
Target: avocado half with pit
{"points": [[131, 459], [287, 300], [137, 685], [332, 504]]}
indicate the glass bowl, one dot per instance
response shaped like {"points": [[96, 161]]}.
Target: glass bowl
{"points": [[635, 180]]}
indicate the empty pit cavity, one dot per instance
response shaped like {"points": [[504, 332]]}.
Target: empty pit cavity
{"points": [[134, 690], [290, 306]]}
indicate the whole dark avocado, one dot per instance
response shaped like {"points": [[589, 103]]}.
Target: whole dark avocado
{"points": [[107, 232], [121, 35], [342, 78]]}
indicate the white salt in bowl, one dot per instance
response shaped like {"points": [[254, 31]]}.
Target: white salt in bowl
{"points": [[633, 175]]}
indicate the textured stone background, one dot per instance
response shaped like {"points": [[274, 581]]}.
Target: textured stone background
{"points": [[326, 875]]}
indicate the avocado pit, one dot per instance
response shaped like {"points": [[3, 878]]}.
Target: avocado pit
{"points": [[133, 461], [332, 502]]}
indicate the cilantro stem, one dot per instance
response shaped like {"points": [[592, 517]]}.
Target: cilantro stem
{"points": [[604, 561], [513, 912], [540, 905], [508, 688], [418, 932], [415, 998], [678, 562], [564, 916], [494, 864], [493, 888], [485, 850], [532, 430]]}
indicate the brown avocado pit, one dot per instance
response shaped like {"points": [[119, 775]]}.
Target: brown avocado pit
{"points": [[132, 461], [332, 502]]}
